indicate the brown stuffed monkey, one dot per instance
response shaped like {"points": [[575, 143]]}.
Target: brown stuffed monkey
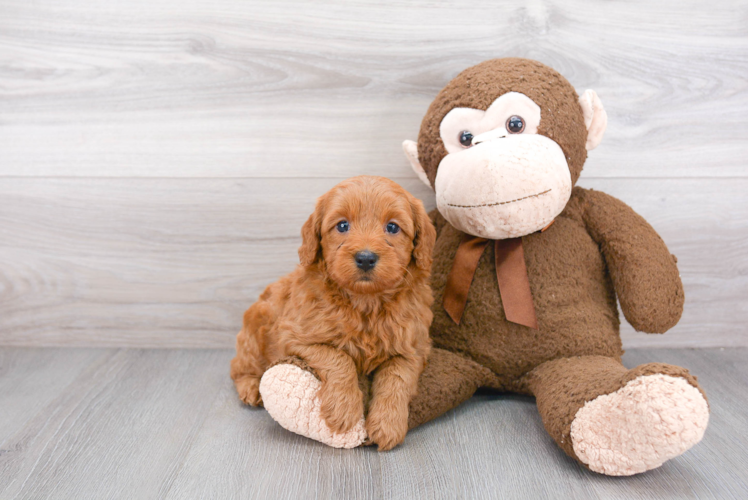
{"points": [[527, 269]]}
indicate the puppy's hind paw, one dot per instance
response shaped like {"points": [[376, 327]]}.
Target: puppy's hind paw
{"points": [[289, 394], [248, 389]]}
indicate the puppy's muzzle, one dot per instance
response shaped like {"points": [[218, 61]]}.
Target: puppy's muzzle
{"points": [[366, 260]]}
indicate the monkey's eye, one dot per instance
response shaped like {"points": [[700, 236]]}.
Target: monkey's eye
{"points": [[515, 124], [466, 138], [343, 226], [393, 228]]}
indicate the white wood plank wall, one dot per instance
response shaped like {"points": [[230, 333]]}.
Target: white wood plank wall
{"points": [[157, 158]]}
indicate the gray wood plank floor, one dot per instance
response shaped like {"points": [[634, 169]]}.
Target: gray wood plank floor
{"points": [[129, 423]]}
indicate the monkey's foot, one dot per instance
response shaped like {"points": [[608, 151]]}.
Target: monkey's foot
{"points": [[289, 394], [648, 421]]}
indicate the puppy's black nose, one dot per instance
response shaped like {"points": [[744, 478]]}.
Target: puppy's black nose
{"points": [[366, 260]]}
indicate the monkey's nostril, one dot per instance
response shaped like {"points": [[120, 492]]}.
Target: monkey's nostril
{"points": [[487, 139], [366, 260]]}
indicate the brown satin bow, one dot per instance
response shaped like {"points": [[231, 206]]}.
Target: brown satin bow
{"points": [[511, 273]]}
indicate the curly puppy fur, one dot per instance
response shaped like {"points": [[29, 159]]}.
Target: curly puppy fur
{"points": [[347, 323]]}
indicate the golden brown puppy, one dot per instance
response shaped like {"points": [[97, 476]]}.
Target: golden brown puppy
{"points": [[358, 305]]}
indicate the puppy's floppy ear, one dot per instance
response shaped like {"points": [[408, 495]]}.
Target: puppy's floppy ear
{"points": [[310, 236], [425, 237]]}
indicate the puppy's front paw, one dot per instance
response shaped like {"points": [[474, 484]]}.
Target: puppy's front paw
{"points": [[341, 406], [290, 397], [387, 426], [249, 390]]}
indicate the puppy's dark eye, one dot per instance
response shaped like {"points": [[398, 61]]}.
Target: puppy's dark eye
{"points": [[515, 124], [466, 138], [343, 226], [393, 228]]}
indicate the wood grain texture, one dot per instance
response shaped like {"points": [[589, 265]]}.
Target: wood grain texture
{"points": [[119, 430], [168, 424], [157, 158], [214, 88], [31, 379], [134, 262]]}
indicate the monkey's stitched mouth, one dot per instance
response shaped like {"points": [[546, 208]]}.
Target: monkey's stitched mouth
{"points": [[501, 202]]}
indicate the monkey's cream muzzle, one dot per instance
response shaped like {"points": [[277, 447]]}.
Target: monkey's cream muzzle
{"points": [[506, 186]]}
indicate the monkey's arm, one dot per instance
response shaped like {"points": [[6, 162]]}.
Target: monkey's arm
{"points": [[644, 273]]}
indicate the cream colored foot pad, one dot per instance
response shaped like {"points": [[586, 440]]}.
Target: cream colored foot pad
{"points": [[650, 420]]}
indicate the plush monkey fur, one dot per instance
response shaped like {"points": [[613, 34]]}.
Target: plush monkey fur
{"points": [[598, 250]]}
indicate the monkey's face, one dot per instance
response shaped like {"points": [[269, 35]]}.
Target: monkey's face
{"points": [[502, 145], [500, 178]]}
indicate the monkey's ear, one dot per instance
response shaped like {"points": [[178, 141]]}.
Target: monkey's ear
{"points": [[595, 118], [411, 152]]}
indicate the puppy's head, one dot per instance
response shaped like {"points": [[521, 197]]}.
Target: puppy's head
{"points": [[368, 234]]}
